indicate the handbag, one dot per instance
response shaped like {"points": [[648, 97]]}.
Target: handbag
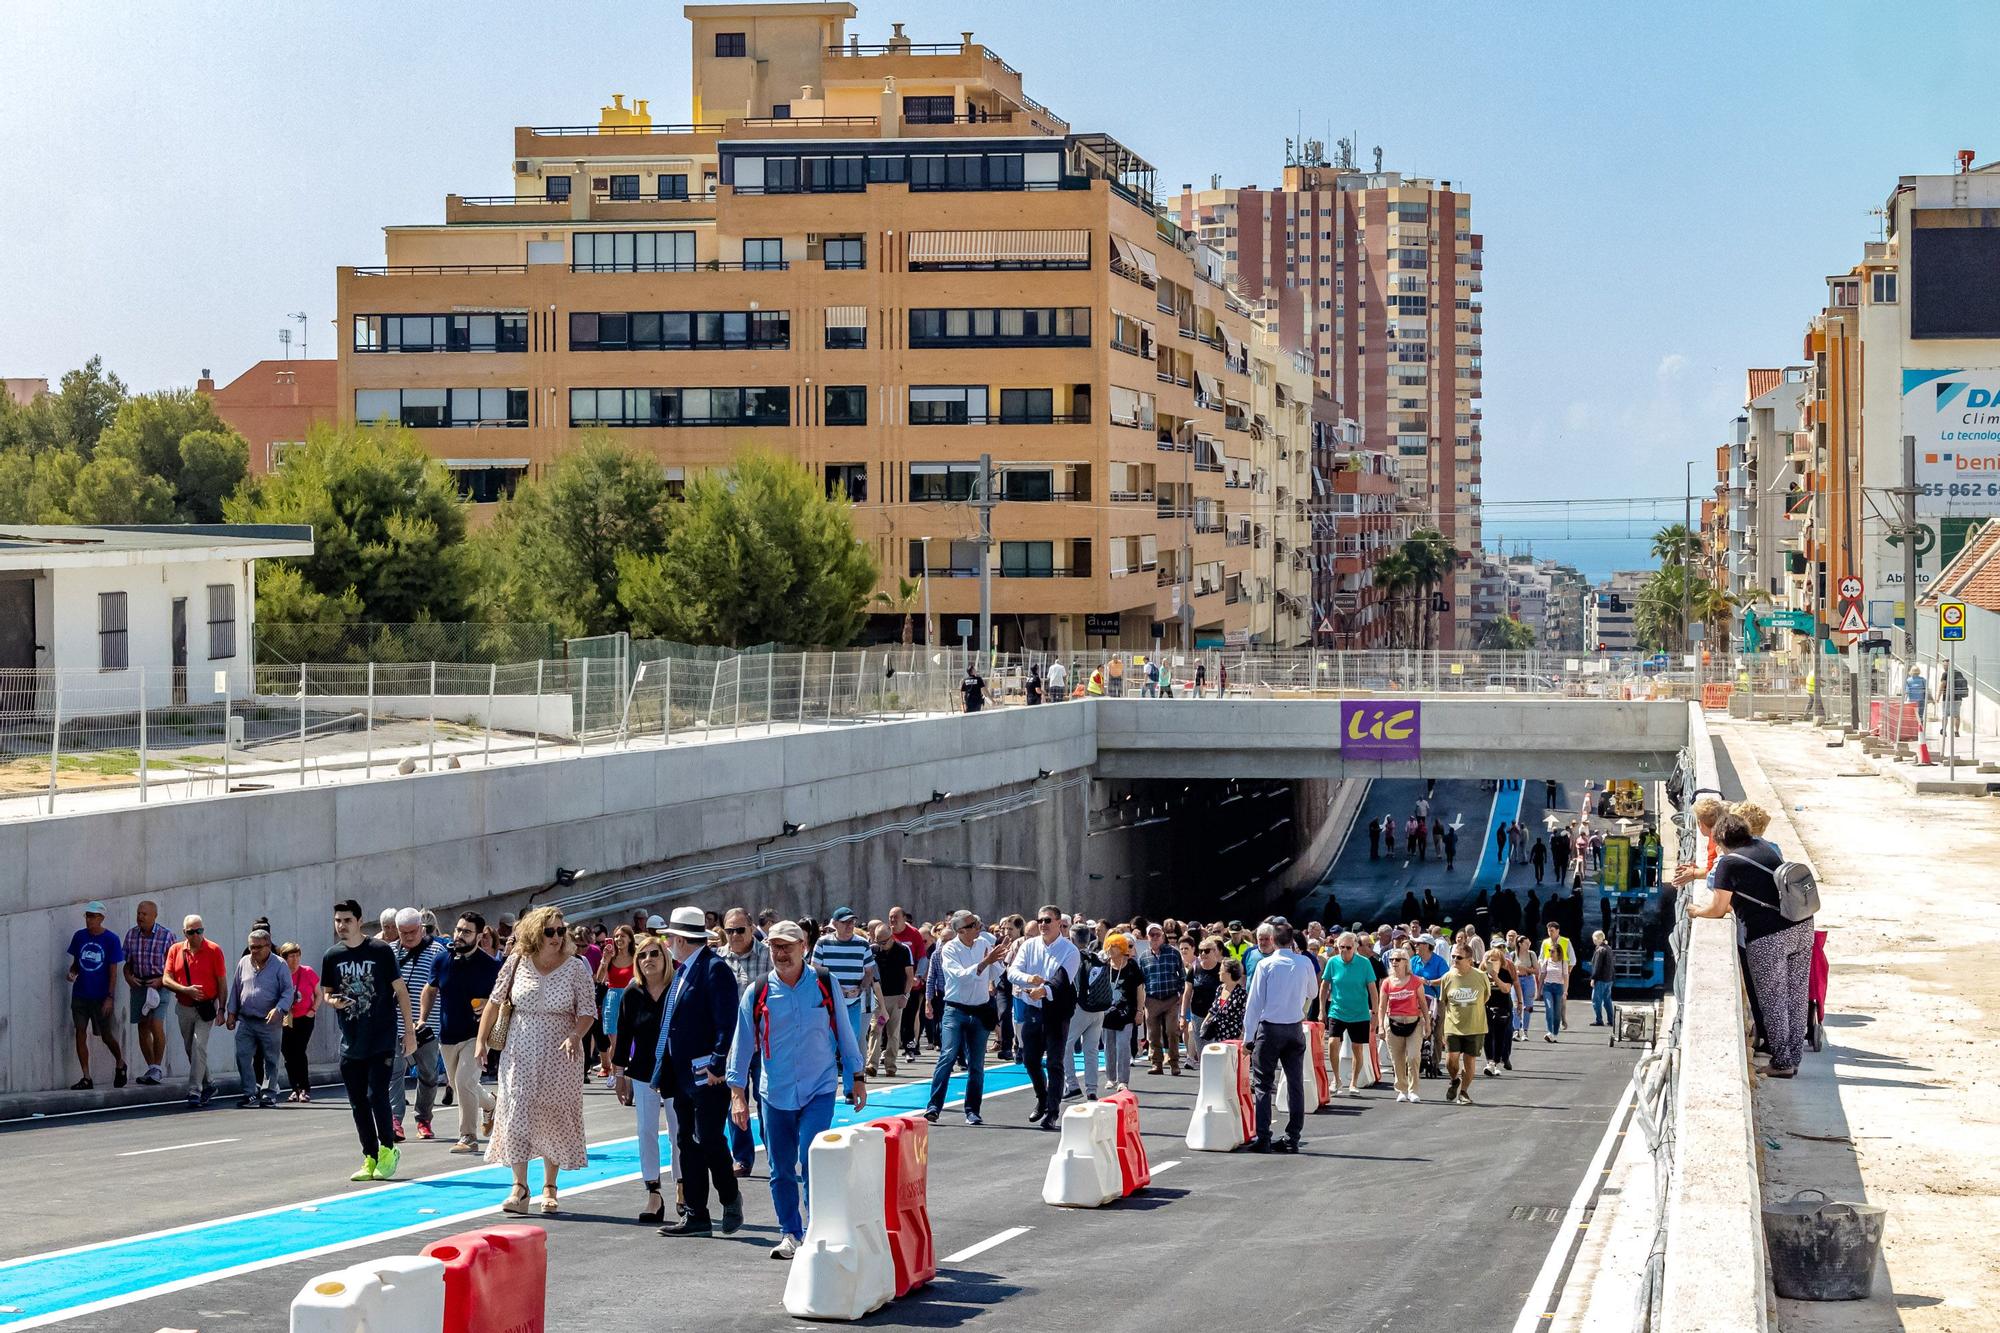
{"points": [[503, 1010]]}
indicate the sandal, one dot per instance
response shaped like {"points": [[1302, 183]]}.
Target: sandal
{"points": [[517, 1201], [549, 1206], [657, 1212], [305, 1096]]}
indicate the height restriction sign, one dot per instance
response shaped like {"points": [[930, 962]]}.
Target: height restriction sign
{"points": [[1850, 589], [1951, 622]]}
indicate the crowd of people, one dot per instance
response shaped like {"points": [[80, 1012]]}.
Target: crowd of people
{"points": [[704, 1020]]}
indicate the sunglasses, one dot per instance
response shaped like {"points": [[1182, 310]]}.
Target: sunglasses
{"points": [[736, 930], [195, 930], [649, 953], [551, 932], [1045, 921]]}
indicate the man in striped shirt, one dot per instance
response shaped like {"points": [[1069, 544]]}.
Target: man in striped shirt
{"points": [[417, 958], [850, 961], [146, 946]]}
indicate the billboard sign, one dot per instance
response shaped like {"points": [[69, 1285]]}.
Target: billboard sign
{"points": [[1387, 729], [1955, 417]]}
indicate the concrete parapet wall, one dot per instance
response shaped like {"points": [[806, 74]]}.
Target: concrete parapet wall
{"points": [[549, 714]]}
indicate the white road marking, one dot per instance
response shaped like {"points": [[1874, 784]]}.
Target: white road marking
{"points": [[1537, 1303], [203, 1143], [1160, 1168], [971, 1251]]}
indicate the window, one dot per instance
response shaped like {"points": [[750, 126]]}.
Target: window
{"points": [[730, 44], [673, 185], [624, 187], [931, 482], [113, 647], [422, 409], [221, 621], [781, 111], [1027, 560], [947, 405], [1882, 288], [487, 485], [847, 481], [846, 326], [1043, 326], [1017, 485], [928, 110], [843, 252], [555, 187], [633, 252], [1026, 407], [846, 404], [681, 407], [678, 330], [763, 252]]}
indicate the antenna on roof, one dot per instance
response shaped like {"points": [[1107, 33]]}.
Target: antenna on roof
{"points": [[285, 340], [300, 316]]}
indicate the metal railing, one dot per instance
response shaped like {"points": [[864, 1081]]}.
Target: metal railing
{"points": [[577, 131]]}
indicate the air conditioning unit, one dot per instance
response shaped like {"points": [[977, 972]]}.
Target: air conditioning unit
{"points": [[520, 166]]}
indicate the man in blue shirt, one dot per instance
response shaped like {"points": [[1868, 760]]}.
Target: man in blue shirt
{"points": [[795, 1024], [94, 956]]}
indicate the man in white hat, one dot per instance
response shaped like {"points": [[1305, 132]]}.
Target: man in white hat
{"points": [[690, 1061]]}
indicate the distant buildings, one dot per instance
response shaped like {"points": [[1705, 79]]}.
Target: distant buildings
{"points": [[272, 404], [23, 390], [1609, 616]]}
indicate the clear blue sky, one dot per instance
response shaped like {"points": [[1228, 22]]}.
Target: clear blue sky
{"points": [[1662, 188]]}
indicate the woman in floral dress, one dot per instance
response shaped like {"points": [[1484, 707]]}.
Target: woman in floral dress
{"points": [[540, 1111]]}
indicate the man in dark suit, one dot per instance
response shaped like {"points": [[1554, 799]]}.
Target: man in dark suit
{"points": [[695, 1035]]}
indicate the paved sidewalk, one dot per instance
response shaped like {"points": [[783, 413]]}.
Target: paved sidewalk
{"points": [[1902, 1108]]}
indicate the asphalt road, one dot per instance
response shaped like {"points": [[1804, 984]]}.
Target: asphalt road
{"points": [[1392, 1213]]}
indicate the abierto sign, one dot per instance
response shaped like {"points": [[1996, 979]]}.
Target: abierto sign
{"points": [[1955, 417], [1387, 729]]}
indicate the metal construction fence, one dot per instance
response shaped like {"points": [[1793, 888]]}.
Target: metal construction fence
{"points": [[171, 733]]}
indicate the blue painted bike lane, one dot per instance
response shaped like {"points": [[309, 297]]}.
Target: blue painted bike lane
{"points": [[43, 1289], [1506, 809]]}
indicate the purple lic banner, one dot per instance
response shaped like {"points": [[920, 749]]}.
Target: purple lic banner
{"points": [[1391, 729]]}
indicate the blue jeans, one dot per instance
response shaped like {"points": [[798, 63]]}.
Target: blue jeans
{"points": [[1524, 1012], [964, 1042], [787, 1137], [252, 1035], [1553, 996], [1600, 1001]]}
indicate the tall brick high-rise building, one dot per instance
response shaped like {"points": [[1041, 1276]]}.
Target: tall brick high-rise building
{"points": [[1378, 276]]}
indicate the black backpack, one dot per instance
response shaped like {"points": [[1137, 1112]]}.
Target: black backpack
{"points": [[1096, 994]]}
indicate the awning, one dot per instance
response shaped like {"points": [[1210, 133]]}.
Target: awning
{"points": [[847, 317], [1000, 247], [1231, 344], [1208, 387], [1147, 264]]}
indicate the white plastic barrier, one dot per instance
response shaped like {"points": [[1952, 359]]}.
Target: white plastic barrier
{"points": [[401, 1293], [844, 1270], [1217, 1125], [1085, 1173]]}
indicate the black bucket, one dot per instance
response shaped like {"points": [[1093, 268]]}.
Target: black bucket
{"points": [[1822, 1250]]}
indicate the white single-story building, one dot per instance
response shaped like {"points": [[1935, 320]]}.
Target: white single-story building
{"points": [[103, 606]]}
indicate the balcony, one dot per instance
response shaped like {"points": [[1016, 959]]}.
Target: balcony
{"points": [[688, 266], [1168, 509], [1131, 497], [1005, 419], [1167, 578]]}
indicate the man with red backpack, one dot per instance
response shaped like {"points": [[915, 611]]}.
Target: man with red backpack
{"points": [[792, 1023]]}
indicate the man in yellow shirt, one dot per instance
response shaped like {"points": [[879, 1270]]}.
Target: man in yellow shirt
{"points": [[1464, 1006]]}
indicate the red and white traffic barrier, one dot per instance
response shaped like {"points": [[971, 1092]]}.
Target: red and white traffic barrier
{"points": [[400, 1293], [845, 1268], [496, 1279]]}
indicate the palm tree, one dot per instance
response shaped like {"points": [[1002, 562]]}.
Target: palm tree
{"points": [[1432, 557], [1396, 577], [905, 600], [1675, 545], [1710, 604]]}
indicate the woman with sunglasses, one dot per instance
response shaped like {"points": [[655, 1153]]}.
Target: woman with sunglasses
{"points": [[1225, 1017], [554, 1006], [1204, 985], [1404, 1019], [1127, 983], [639, 1011]]}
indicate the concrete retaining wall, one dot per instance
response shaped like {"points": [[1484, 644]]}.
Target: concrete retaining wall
{"points": [[478, 834], [1714, 1281], [549, 714]]}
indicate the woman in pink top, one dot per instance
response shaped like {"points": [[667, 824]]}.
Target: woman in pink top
{"points": [[298, 1023], [1404, 1019]]}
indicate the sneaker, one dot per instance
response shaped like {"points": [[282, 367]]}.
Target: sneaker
{"points": [[1287, 1145], [424, 1130], [785, 1248], [1507, 1065], [245, 1103], [149, 1079], [367, 1171], [867, 1071], [732, 1216], [1451, 1091], [118, 1078], [207, 1093], [1402, 1096], [1550, 1039], [1414, 1099], [1464, 1100], [82, 1085], [1071, 1094], [386, 1162], [268, 1101], [465, 1145], [689, 1225], [931, 1114], [194, 1101], [972, 1118], [396, 1128]]}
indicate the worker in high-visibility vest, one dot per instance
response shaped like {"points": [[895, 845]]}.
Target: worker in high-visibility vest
{"points": [[1096, 685]]}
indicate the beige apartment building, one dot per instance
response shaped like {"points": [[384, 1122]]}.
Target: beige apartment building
{"points": [[1377, 275], [885, 260]]}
